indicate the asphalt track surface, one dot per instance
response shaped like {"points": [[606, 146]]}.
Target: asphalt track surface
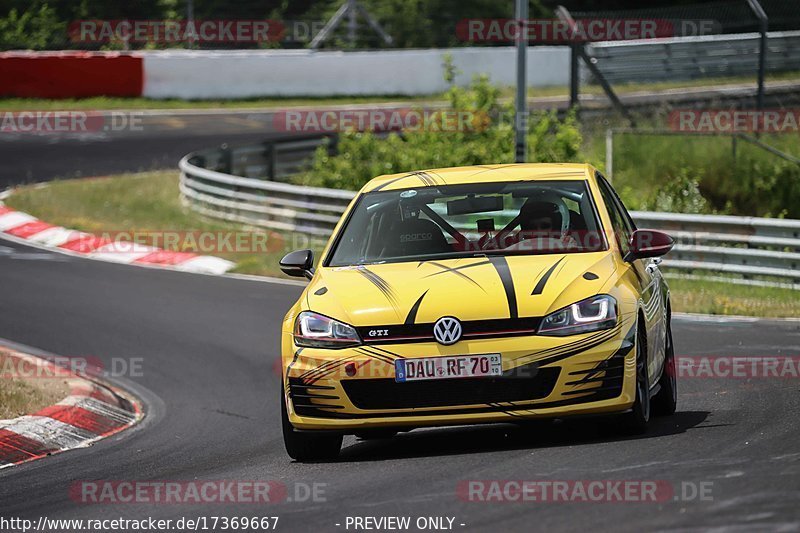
{"points": [[208, 345], [156, 141]]}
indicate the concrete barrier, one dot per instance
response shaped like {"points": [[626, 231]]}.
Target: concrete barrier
{"points": [[247, 74], [70, 74]]}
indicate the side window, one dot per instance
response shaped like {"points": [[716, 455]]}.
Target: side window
{"points": [[621, 223], [624, 210]]}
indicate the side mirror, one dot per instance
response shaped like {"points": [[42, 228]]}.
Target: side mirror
{"points": [[648, 243], [299, 264]]}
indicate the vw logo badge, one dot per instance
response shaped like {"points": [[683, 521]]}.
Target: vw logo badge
{"points": [[447, 330]]}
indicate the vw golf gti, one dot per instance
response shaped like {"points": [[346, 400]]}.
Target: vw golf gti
{"points": [[468, 295]]}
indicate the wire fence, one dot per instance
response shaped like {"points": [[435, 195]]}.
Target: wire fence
{"points": [[62, 25]]}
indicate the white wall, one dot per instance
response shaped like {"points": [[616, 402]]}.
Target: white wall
{"points": [[243, 74]]}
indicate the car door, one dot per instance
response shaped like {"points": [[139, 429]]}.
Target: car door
{"points": [[648, 279]]}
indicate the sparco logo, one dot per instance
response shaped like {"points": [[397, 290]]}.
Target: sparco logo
{"points": [[447, 330], [407, 237]]}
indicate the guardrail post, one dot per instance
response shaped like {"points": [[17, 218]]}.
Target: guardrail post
{"points": [[226, 158]]}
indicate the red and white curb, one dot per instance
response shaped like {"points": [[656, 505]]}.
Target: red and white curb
{"points": [[92, 411], [24, 227]]}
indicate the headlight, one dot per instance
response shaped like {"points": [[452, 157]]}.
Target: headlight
{"points": [[592, 314], [317, 331]]}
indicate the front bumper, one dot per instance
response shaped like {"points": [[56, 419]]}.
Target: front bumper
{"points": [[543, 377]]}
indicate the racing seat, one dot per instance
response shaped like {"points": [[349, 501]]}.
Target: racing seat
{"points": [[544, 225], [415, 236]]}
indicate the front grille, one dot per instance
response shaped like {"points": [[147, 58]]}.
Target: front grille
{"points": [[472, 329], [513, 386]]}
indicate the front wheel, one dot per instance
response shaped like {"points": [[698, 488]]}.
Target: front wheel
{"points": [[666, 401], [308, 446], [636, 420]]}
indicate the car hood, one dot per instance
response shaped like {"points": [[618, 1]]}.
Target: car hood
{"points": [[473, 288]]}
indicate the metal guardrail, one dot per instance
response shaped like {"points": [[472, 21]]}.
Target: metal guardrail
{"points": [[759, 251], [244, 184], [686, 58], [747, 246]]}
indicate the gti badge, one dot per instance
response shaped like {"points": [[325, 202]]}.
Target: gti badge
{"points": [[447, 330]]}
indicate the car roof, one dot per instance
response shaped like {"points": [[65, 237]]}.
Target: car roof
{"points": [[481, 174]]}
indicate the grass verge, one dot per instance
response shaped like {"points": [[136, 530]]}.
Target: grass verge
{"points": [[149, 202], [21, 395], [718, 298]]}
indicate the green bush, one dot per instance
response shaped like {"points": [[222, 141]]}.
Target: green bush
{"points": [[682, 174], [362, 156], [704, 174], [33, 29], [680, 194]]}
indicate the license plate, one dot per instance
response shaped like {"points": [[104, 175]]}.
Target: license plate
{"points": [[451, 367]]}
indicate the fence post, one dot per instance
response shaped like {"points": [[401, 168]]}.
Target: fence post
{"points": [[565, 16], [333, 144], [521, 115], [610, 154], [574, 81], [763, 26]]}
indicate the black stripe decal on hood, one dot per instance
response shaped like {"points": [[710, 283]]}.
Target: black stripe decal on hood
{"points": [[595, 341], [501, 265], [627, 345], [387, 183], [380, 284], [453, 269], [542, 282], [446, 269], [412, 315], [375, 355]]}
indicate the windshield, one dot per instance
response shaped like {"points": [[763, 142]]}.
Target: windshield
{"points": [[466, 220]]}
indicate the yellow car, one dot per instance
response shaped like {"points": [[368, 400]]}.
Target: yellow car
{"points": [[482, 294]]}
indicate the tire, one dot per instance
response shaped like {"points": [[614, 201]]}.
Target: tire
{"points": [[635, 421], [308, 446], [666, 401]]}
